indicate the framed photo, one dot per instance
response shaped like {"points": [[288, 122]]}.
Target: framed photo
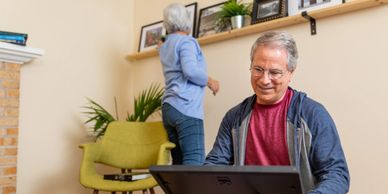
{"points": [[150, 35], [265, 10], [207, 22], [298, 6], [192, 9]]}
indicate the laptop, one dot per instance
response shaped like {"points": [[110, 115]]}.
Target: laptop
{"points": [[182, 179]]}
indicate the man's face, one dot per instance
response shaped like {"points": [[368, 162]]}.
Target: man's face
{"points": [[269, 74]]}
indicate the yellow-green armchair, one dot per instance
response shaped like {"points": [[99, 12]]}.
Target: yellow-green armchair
{"points": [[125, 145]]}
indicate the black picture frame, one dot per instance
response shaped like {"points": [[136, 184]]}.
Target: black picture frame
{"points": [[192, 9], [298, 6], [150, 36], [265, 10], [207, 20]]}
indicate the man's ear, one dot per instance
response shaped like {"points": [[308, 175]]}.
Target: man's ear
{"points": [[291, 76]]}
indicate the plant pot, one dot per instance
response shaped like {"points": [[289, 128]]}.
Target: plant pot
{"points": [[247, 20], [237, 21]]}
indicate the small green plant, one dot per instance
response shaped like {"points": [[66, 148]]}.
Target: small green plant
{"points": [[228, 10], [233, 7], [99, 116], [147, 103]]}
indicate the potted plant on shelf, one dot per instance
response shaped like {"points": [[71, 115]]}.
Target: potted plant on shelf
{"points": [[235, 13], [148, 102]]}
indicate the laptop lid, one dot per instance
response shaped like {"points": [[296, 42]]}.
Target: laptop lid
{"points": [[182, 179]]}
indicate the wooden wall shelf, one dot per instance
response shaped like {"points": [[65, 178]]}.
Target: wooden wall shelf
{"points": [[273, 24]]}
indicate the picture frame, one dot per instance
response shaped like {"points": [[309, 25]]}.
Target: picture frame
{"points": [[265, 10], [192, 9], [150, 36], [207, 20], [298, 6]]}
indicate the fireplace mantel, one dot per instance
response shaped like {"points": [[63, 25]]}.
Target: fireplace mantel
{"points": [[12, 57], [11, 53]]}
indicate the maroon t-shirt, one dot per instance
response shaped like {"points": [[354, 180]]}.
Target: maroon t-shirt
{"points": [[266, 143]]}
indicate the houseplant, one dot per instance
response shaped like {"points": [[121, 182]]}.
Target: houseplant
{"points": [[234, 12], [148, 102]]}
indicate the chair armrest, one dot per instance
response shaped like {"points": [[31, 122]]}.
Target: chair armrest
{"points": [[164, 153], [91, 154], [91, 151]]}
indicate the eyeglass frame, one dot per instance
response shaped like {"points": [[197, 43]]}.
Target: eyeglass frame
{"points": [[258, 71]]}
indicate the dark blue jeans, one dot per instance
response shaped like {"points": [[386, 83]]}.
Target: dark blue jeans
{"points": [[188, 135]]}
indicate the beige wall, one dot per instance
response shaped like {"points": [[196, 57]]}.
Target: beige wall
{"points": [[85, 43], [344, 67]]}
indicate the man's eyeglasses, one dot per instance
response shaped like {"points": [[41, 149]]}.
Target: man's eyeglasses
{"points": [[273, 74]]}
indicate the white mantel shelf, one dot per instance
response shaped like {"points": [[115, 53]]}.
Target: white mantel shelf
{"points": [[12, 53]]}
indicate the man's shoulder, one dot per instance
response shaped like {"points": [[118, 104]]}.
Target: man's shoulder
{"points": [[307, 105], [300, 97]]}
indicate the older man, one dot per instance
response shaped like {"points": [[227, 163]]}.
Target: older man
{"points": [[282, 126]]}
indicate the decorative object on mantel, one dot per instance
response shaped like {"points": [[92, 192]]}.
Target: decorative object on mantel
{"points": [[348, 7], [298, 6], [148, 102], [13, 37], [18, 54], [234, 12], [265, 10]]}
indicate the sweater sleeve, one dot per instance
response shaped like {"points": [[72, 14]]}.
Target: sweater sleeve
{"points": [[222, 151], [192, 70], [327, 158]]}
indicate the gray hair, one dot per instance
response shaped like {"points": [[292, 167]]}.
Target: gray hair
{"points": [[281, 39], [176, 18]]}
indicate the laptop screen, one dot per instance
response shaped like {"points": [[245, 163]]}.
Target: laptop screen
{"points": [[180, 179]]}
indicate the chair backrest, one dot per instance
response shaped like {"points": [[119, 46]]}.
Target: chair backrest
{"points": [[132, 145]]}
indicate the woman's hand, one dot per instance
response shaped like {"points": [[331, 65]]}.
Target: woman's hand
{"points": [[213, 85]]}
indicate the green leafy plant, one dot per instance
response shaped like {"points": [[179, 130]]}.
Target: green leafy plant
{"points": [[99, 116], [233, 7], [148, 102], [229, 9]]}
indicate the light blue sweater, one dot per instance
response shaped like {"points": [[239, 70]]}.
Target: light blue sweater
{"points": [[185, 73]]}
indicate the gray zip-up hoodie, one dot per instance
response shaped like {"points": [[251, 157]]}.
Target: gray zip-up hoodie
{"points": [[313, 144]]}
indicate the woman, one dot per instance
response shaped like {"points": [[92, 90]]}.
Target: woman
{"points": [[185, 73]]}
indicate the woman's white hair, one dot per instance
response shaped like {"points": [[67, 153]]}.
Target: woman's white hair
{"points": [[176, 18]]}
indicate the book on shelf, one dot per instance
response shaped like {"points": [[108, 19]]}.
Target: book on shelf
{"points": [[13, 37]]}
